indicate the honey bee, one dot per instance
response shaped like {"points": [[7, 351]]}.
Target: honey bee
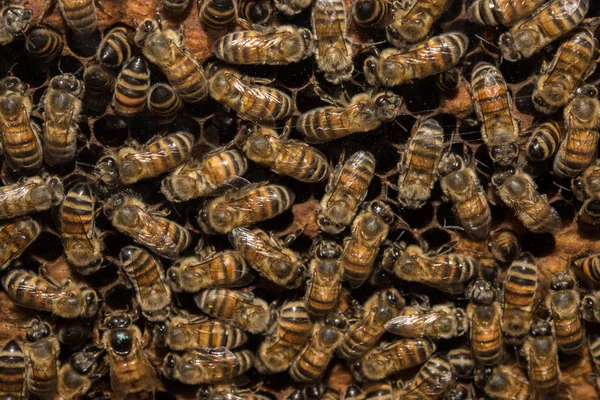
{"points": [[115, 49], [503, 384], [333, 51], [463, 189], [313, 359], [256, 12], [501, 12], [62, 106], [12, 371], [163, 48], [135, 163], [460, 391], [252, 204], [323, 288], [241, 308], [390, 358], [542, 361], [587, 184], [371, 13], [79, 15], [564, 303], [267, 255], [413, 25], [175, 7], [15, 237], [369, 230], [418, 164], [229, 392], [485, 314], [44, 42], [443, 321], [131, 89], [395, 67], [550, 21], [13, 21], [590, 307], [292, 7], [588, 217], [42, 350], [99, 82], [364, 334], [163, 102], [194, 367], [217, 16], [573, 62], [346, 190], [83, 248], [578, 149], [544, 141], [251, 100], [131, 373], [494, 107], [293, 328], [197, 179], [518, 191], [185, 331], [30, 195], [462, 361], [32, 291], [594, 344], [589, 267], [77, 376], [285, 157], [133, 218], [432, 380], [148, 280], [520, 286], [19, 135]]}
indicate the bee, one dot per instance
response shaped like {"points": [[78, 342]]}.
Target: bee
{"points": [[323, 288], [62, 106], [587, 184], [395, 67], [365, 333], [99, 82], [520, 286], [181, 332], [133, 218], [41, 352], [44, 42], [544, 141], [131, 89], [460, 391], [175, 7], [130, 371], [230, 392], [589, 267], [573, 62], [256, 12], [197, 179], [494, 107], [390, 358], [588, 217], [194, 367], [216, 16], [18, 134], [115, 48], [333, 51], [578, 149], [418, 164], [148, 280], [282, 45], [503, 384], [162, 47], [413, 25], [313, 359], [518, 191], [371, 13], [462, 361], [590, 307], [292, 330], [542, 361], [30, 195], [267, 255], [501, 12], [432, 380], [16, 236], [463, 189], [163, 102], [252, 204], [70, 300], [80, 15], [243, 309], [251, 100], [564, 303], [78, 374], [135, 163], [594, 344], [485, 314], [346, 190], [369, 230], [13, 21], [551, 21], [443, 321], [285, 157], [292, 7], [12, 371]]}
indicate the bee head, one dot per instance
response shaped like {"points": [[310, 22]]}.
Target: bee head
{"points": [[168, 367], [144, 30], [107, 170], [38, 330], [112, 204]]}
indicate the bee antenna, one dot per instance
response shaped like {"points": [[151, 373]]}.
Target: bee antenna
{"points": [[561, 186], [400, 126], [487, 41]]}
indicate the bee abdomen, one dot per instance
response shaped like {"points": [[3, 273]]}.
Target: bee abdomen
{"points": [[544, 141], [12, 370], [163, 102], [44, 42], [114, 49], [80, 15], [370, 13], [175, 7], [189, 82], [481, 12], [132, 86], [217, 14]]}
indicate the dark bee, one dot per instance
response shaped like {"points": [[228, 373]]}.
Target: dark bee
{"points": [[80, 15], [256, 11], [175, 7], [12, 371], [42, 351], [163, 102], [432, 380], [371, 13], [588, 217], [115, 49], [44, 42], [544, 141], [541, 353]]}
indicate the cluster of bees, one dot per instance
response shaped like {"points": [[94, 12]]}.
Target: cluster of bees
{"points": [[403, 321]]}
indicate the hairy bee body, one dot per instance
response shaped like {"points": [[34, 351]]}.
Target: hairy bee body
{"points": [[346, 190], [442, 321], [217, 15], [587, 185], [419, 163], [99, 82], [501, 12], [30, 195], [13, 21], [548, 23], [115, 49], [80, 15], [564, 303], [163, 102], [541, 353], [412, 26], [175, 7], [544, 141], [292, 7], [485, 314], [462, 361], [15, 236], [44, 43], [42, 351], [131, 89], [504, 245], [78, 374], [588, 216], [323, 288], [589, 267], [503, 384], [395, 67], [594, 344], [256, 11], [371, 13], [12, 371], [432, 380], [194, 367]]}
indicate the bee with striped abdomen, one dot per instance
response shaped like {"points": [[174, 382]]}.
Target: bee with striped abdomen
{"points": [[41, 352], [371, 13], [541, 354], [44, 42], [79, 15], [501, 12], [175, 7], [16, 236], [587, 184], [564, 303], [432, 380], [194, 367], [503, 384], [292, 7], [414, 24], [594, 344], [588, 266], [131, 89], [443, 321], [163, 102], [504, 245], [99, 82], [30, 195], [588, 216], [544, 141], [217, 16], [461, 359], [12, 371], [78, 374], [13, 21], [256, 12], [485, 313], [324, 285], [115, 48]]}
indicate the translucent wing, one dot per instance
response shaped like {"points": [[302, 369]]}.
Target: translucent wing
{"points": [[264, 249], [214, 359], [329, 25], [528, 206], [352, 171], [258, 47], [555, 12], [430, 52], [19, 193], [413, 326]]}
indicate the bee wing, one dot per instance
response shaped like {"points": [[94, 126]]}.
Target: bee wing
{"points": [[411, 325], [257, 46], [244, 280], [352, 169], [429, 53], [19, 192], [528, 205], [430, 387], [214, 358], [332, 32], [257, 243], [549, 14], [151, 157]]}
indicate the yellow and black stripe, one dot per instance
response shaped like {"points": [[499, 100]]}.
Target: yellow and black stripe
{"points": [[131, 90]]}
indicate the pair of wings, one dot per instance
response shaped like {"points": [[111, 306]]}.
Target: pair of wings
{"points": [[258, 47], [335, 27], [352, 171], [553, 13], [199, 270], [428, 53], [413, 326]]}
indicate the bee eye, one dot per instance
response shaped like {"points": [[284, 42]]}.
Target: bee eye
{"points": [[393, 33], [170, 361], [90, 299], [371, 66], [381, 101], [172, 275]]}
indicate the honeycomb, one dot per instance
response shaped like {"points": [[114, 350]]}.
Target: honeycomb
{"points": [[214, 126]]}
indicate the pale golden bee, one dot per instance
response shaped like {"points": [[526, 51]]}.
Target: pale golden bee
{"points": [[131, 88], [292, 7], [414, 24], [443, 321], [541, 353], [564, 303], [433, 379], [15, 236], [13, 21], [12, 371], [485, 314], [78, 374], [544, 141], [44, 42], [30, 195], [587, 184], [501, 12], [41, 352], [324, 285], [80, 15]]}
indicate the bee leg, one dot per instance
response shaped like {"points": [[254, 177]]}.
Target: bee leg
{"points": [[288, 239], [258, 81], [287, 129], [324, 96]]}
